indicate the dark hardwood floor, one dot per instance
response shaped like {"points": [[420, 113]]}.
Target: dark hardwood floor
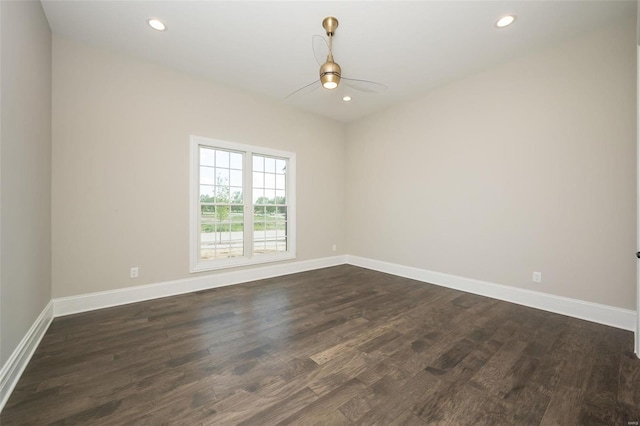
{"points": [[341, 345]]}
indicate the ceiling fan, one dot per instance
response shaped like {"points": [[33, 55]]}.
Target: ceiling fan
{"points": [[330, 71]]}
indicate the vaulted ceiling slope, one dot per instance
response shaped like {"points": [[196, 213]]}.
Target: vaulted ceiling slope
{"points": [[265, 47]]}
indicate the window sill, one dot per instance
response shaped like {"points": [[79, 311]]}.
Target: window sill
{"points": [[213, 265]]}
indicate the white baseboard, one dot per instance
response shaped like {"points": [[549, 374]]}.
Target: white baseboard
{"points": [[105, 299], [17, 362], [594, 312]]}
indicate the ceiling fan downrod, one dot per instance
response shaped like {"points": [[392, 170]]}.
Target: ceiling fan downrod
{"points": [[330, 71]]}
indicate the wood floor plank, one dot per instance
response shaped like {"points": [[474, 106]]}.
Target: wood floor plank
{"points": [[282, 409], [329, 402], [564, 407], [400, 397], [629, 380], [340, 345], [407, 419]]}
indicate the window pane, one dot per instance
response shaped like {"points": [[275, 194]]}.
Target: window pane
{"points": [[207, 228], [222, 194], [207, 193], [258, 180], [222, 158], [206, 156], [236, 214], [258, 196], [222, 176], [236, 249], [281, 237], [259, 214], [269, 165], [280, 197], [236, 195], [207, 175], [222, 213], [259, 235], [235, 178], [269, 180], [280, 182], [223, 229], [270, 195], [236, 240], [259, 238], [281, 166], [258, 163], [207, 213], [207, 250], [236, 161]]}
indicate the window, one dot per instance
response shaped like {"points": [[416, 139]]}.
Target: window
{"points": [[242, 204]]}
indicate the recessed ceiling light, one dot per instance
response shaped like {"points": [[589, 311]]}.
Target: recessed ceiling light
{"points": [[156, 24], [505, 21], [346, 98]]}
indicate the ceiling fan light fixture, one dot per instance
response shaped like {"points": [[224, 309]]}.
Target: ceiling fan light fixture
{"points": [[330, 75]]}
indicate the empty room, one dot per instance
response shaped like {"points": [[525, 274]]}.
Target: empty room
{"points": [[367, 213]]}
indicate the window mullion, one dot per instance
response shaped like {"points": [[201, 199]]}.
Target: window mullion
{"points": [[248, 204]]}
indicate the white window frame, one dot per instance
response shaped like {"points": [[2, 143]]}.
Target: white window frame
{"points": [[197, 264]]}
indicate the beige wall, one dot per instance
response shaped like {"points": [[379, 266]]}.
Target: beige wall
{"points": [[25, 170], [530, 166], [121, 166]]}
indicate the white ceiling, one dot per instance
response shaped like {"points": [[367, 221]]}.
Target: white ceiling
{"points": [[264, 47]]}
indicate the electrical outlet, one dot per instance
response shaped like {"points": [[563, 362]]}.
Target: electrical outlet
{"points": [[537, 277], [334, 247], [133, 272]]}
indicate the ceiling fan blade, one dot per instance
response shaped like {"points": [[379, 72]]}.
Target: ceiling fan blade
{"points": [[305, 89], [364, 85], [320, 48]]}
